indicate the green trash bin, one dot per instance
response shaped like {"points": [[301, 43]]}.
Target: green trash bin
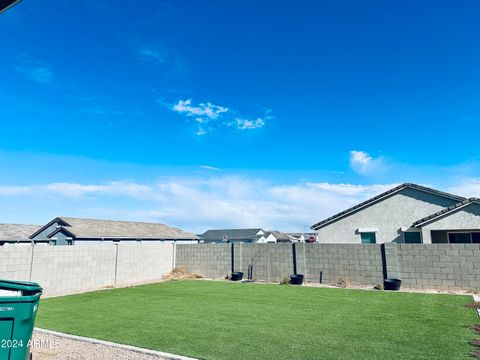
{"points": [[18, 307]]}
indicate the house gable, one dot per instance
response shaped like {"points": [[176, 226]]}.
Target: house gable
{"points": [[435, 197], [49, 228], [463, 216], [386, 216]]}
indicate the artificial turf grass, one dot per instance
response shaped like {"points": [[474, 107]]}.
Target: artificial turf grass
{"points": [[221, 320]]}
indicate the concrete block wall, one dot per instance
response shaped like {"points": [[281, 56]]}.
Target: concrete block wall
{"points": [[66, 269], [15, 262], [209, 260], [143, 263], [359, 264], [267, 262], [429, 266], [439, 266]]}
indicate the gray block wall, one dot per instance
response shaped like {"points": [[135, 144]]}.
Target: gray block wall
{"points": [[209, 260], [67, 269], [439, 266], [428, 266], [15, 262], [143, 263], [359, 264], [267, 262]]}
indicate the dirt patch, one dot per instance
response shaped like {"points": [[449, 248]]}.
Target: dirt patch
{"points": [[473, 305]]}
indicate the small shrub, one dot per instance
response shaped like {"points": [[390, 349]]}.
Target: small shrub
{"points": [[379, 286], [285, 281], [181, 273], [343, 283], [473, 305]]}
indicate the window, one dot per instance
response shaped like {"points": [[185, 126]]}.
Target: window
{"points": [[69, 242], [464, 238], [368, 238], [476, 238], [53, 242], [412, 237]]}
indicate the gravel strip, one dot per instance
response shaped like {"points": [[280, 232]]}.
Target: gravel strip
{"points": [[50, 347]]}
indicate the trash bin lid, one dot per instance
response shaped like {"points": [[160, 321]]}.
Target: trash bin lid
{"points": [[20, 285]]}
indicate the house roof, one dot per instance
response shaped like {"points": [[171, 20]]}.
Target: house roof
{"points": [[231, 234], [446, 211], [97, 229], [17, 231], [383, 196], [279, 235]]}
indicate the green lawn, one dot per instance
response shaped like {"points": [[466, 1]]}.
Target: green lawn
{"points": [[221, 320]]}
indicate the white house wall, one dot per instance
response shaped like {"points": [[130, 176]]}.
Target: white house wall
{"points": [[387, 217]]}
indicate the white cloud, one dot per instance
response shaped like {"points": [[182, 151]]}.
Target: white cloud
{"points": [[469, 187], [211, 117], [199, 203], [244, 124], [208, 167], [202, 111], [353, 190], [364, 164]]}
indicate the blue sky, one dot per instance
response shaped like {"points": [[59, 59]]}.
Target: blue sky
{"points": [[243, 113]]}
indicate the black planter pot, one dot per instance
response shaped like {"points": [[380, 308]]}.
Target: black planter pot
{"points": [[236, 276], [392, 284], [296, 279]]}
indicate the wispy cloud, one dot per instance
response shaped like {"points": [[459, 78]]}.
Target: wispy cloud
{"points": [[103, 111], [40, 74], [172, 64], [202, 112], [244, 124], [152, 54], [198, 203], [33, 70], [364, 164], [210, 117], [208, 167], [468, 187]]}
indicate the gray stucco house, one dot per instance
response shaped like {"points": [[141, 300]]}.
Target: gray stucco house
{"points": [[70, 231], [408, 213]]}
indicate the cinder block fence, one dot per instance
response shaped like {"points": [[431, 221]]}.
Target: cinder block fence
{"points": [[427, 266], [66, 269]]}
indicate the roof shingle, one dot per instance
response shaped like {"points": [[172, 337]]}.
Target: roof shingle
{"points": [[17, 231], [93, 228]]}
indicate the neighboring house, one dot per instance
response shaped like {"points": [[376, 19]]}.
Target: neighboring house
{"points": [[276, 237], [232, 235], [408, 213], [304, 237], [69, 231], [16, 233]]}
